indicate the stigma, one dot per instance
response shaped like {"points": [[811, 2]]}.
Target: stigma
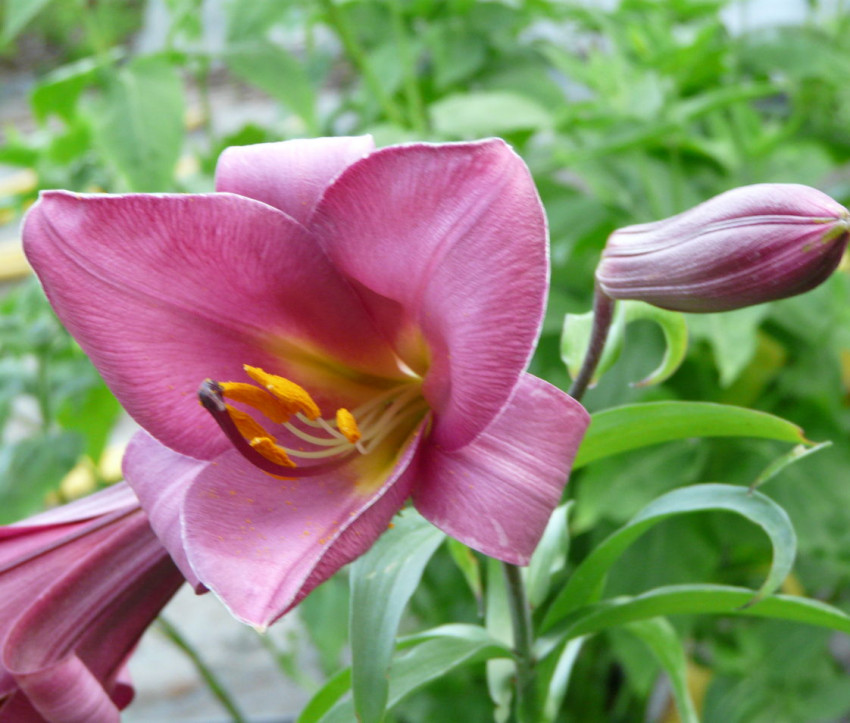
{"points": [[314, 444]]}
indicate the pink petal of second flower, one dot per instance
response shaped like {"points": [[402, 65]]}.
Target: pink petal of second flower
{"points": [[455, 236], [165, 291], [82, 626], [496, 494], [291, 175], [261, 544], [160, 477]]}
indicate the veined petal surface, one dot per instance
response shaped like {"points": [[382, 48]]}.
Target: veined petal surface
{"points": [[261, 543], [160, 477], [165, 291], [497, 493], [450, 239], [67, 646], [290, 175]]}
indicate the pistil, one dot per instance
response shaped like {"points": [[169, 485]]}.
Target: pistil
{"points": [[285, 403]]}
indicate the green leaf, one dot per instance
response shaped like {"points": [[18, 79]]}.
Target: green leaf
{"points": [[587, 579], [419, 660], [498, 620], [324, 700], [675, 332], [324, 614], [469, 566], [575, 340], [58, 91], [732, 336], [550, 557], [640, 425], [277, 72], [661, 638], [556, 690], [32, 467], [690, 600], [382, 582], [435, 658], [138, 122], [487, 113], [93, 415], [17, 13], [779, 464]]}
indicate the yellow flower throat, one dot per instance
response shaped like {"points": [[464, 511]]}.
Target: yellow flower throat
{"points": [[331, 441]]}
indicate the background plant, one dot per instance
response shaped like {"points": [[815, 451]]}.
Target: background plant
{"points": [[624, 115]]}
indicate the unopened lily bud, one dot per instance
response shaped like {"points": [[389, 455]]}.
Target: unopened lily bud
{"points": [[746, 246]]}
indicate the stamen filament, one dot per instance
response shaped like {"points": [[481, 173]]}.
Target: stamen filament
{"points": [[381, 431], [320, 441], [211, 397]]}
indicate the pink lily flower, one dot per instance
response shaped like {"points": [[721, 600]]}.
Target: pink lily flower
{"points": [[78, 587], [356, 323]]}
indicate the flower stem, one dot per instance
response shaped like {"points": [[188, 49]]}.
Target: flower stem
{"points": [[213, 683], [415, 107], [603, 312], [358, 57], [526, 703]]}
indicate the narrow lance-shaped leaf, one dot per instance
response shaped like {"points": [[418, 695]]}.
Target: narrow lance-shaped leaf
{"points": [[632, 426], [500, 673], [575, 339], [690, 600], [586, 580], [418, 660], [558, 682], [549, 557], [675, 332], [382, 582], [779, 464], [469, 567], [661, 638]]}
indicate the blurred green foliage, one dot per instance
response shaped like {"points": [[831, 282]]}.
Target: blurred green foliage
{"points": [[624, 115]]}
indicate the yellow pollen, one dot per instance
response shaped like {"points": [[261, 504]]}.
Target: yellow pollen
{"points": [[271, 451], [294, 398], [248, 426], [257, 398], [347, 425]]}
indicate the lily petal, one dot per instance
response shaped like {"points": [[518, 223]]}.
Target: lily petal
{"points": [[262, 544], [160, 477], [452, 239], [67, 648], [291, 175], [497, 493], [165, 291]]}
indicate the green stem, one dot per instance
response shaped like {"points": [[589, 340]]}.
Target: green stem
{"points": [[358, 57], [45, 408], [204, 671], [415, 106], [603, 311], [286, 664], [526, 702]]}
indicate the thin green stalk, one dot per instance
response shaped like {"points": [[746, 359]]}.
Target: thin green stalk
{"points": [[412, 91], [209, 677], [526, 701], [287, 664], [43, 386], [361, 62]]}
